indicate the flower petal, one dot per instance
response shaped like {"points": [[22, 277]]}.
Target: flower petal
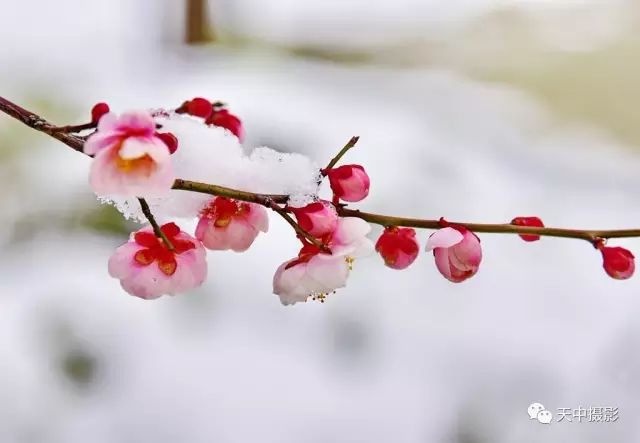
{"points": [[329, 273], [139, 122], [99, 141], [108, 122], [442, 262], [121, 263], [258, 217], [287, 283], [240, 234], [133, 147], [350, 229], [444, 238]]}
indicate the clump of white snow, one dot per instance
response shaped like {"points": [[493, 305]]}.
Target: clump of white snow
{"points": [[211, 154]]}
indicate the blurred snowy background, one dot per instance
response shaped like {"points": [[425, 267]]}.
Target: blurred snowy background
{"points": [[470, 109]]}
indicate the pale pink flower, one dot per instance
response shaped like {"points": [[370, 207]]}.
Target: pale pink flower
{"points": [[318, 218], [457, 252], [231, 224], [349, 182], [315, 273], [147, 269], [130, 159]]}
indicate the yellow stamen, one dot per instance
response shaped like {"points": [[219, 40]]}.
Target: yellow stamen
{"points": [[222, 222], [321, 297], [128, 165], [350, 261]]}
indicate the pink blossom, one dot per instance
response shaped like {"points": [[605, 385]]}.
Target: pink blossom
{"points": [[457, 252], [314, 273], [230, 224], [618, 262], [398, 247], [349, 182], [148, 269], [130, 159], [318, 218]]}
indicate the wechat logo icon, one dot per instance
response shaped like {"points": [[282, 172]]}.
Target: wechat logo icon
{"points": [[537, 411]]}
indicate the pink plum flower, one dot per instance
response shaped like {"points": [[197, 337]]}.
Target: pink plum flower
{"points": [[315, 273], [398, 247], [147, 268], [130, 159], [317, 218], [618, 262], [528, 221], [225, 119], [457, 252], [349, 182], [230, 224]]}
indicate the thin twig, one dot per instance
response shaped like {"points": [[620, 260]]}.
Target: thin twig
{"points": [[146, 210], [350, 144], [74, 128]]}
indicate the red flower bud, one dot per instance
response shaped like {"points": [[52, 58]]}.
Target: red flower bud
{"points": [[200, 107], [398, 247], [98, 110], [349, 182], [168, 139], [318, 218], [618, 262], [183, 108], [528, 221], [228, 121]]}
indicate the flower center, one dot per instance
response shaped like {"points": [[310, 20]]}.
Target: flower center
{"points": [[144, 164], [156, 251], [221, 210]]}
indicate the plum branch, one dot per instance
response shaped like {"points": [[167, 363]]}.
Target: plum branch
{"points": [[271, 201]]}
